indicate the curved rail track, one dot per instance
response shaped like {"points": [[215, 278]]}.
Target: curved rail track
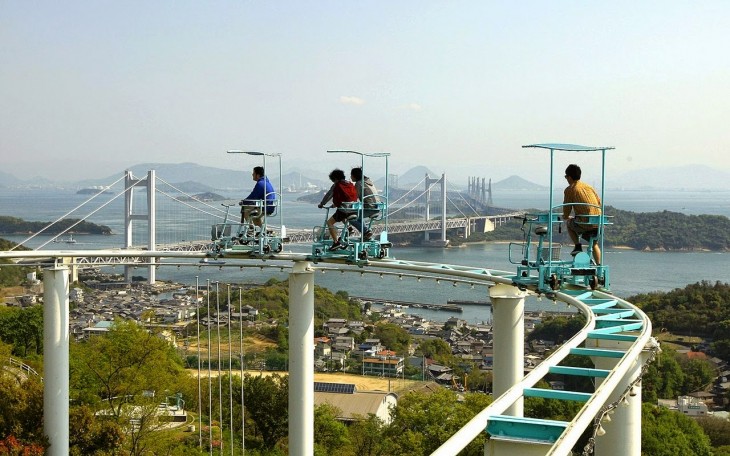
{"points": [[616, 336]]}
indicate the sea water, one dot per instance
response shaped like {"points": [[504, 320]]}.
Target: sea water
{"points": [[632, 272]]}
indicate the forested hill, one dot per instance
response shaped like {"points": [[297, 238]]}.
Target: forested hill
{"points": [[643, 231], [13, 225], [701, 309], [668, 230]]}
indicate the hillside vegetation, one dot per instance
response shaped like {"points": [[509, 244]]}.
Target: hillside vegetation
{"points": [[701, 309], [14, 225], [11, 276]]}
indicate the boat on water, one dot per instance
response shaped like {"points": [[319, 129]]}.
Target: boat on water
{"points": [[69, 240], [94, 190]]}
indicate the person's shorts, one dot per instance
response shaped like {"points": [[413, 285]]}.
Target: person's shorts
{"points": [[342, 215], [585, 231]]}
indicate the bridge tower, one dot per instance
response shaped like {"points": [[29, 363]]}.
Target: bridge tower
{"points": [[130, 182], [489, 194], [442, 181]]}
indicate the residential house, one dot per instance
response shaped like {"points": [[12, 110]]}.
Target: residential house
{"points": [[352, 404]]}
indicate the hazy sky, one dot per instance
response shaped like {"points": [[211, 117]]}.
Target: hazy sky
{"points": [[88, 88]]}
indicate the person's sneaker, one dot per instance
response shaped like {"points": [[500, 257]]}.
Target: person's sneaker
{"points": [[368, 235], [350, 230], [578, 249], [337, 245]]}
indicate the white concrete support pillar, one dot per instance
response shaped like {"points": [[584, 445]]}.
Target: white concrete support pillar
{"points": [[55, 359], [301, 359], [508, 324], [152, 224], [623, 431]]}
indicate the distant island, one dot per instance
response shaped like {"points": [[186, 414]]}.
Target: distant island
{"points": [[205, 197], [13, 225]]}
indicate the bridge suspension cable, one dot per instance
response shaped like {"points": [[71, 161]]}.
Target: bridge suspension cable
{"points": [[87, 216], [448, 183], [185, 203], [61, 218], [409, 191]]}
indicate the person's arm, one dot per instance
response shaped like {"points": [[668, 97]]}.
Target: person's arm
{"points": [[568, 198], [327, 196], [257, 194]]}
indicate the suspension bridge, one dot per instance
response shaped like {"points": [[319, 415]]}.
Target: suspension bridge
{"points": [[175, 220], [616, 337]]}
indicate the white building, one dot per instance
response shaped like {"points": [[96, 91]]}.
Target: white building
{"points": [[691, 406]]}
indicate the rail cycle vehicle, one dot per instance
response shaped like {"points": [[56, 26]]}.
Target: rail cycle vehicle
{"points": [[539, 258], [369, 209], [253, 236]]}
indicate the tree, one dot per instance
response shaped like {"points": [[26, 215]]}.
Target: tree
{"points": [[21, 411], [422, 422], [330, 435], [697, 374], [122, 364], [393, 337], [23, 329], [664, 378], [367, 437], [267, 401], [667, 433], [432, 348], [92, 434], [127, 370], [718, 430], [558, 329]]}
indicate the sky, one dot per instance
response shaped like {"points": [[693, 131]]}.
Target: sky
{"points": [[89, 88]]}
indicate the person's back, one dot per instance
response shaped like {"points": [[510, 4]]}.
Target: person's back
{"points": [[582, 200], [586, 196], [343, 192], [367, 190], [262, 191], [368, 194]]}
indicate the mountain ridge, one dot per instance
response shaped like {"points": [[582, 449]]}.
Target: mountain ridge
{"points": [[195, 177]]}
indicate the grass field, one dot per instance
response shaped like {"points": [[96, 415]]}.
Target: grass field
{"points": [[361, 382]]}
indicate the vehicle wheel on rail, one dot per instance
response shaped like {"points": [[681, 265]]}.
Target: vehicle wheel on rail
{"points": [[554, 282], [382, 253], [363, 255], [267, 249], [593, 282], [279, 248]]}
